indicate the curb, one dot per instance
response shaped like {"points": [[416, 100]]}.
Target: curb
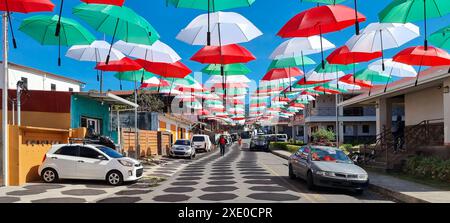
{"points": [[379, 189]]}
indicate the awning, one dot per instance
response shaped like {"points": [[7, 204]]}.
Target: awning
{"points": [[108, 98]]}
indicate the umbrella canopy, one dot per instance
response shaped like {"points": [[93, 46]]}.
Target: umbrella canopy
{"points": [[343, 55], [281, 73], [230, 79], [421, 57], [154, 82], [118, 21], [26, 6], [134, 75], [371, 76], [301, 46], [97, 51], [228, 54], [393, 68], [225, 28], [168, 70], [403, 11], [441, 38], [125, 64], [316, 76], [291, 62], [109, 2], [42, 29], [211, 5], [320, 20], [350, 79], [229, 69], [158, 52]]}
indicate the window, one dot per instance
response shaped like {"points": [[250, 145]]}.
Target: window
{"points": [[68, 151], [110, 152], [53, 87], [70, 89], [198, 139], [366, 129], [314, 104], [345, 129], [89, 153], [93, 125], [25, 82]]}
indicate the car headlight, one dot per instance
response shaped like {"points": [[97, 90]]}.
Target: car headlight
{"points": [[363, 176], [325, 173], [126, 163]]}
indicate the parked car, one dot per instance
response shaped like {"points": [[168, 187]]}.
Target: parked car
{"points": [[88, 162], [327, 167], [259, 142], [246, 139], [182, 148], [201, 142], [281, 138]]}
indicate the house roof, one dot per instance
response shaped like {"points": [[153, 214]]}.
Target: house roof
{"points": [[427, 78], [34, 70], [108, 98]]}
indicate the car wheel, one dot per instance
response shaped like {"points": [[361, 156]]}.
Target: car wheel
{"points": [[114, 178], [291, 172], [49, 175], [310, 181]]}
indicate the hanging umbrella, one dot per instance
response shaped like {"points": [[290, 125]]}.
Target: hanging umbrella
{"points": [[24, 6], [320, 20], [123, 65], [228, 54], [229, 69], [421, 56], [108, 2], [158, 52], [403, 11], [225, 28], [343, 55], [301, 46], [155, 82], [97, 52], [168, 70], [42, 27], [441, 38], [118, 21], [214, 79], [350, 79], [382, 36], [291, 62], [281, 73], [134, 75], [393, 68]]}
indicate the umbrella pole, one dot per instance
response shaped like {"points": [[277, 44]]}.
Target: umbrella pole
{"points": [[321, 48], [208, 35], [356, 18], [389, 80], [59, 51], [58, 25], [383, 67], [303, 67], [8, 13], [425, 24], [136, 134], [101, 82], [418, 73], [371, 84], [112, 41]]}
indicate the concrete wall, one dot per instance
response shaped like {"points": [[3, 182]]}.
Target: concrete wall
{"points": [[423, 105], [42, 119]]}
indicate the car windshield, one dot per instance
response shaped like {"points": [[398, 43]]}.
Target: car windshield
{"points": [[198, 139], [329, 155], [281, 136], [183, 142], [246, 135], [110, 152]]}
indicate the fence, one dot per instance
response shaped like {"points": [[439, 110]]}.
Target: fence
{"points": [[147, 141]]}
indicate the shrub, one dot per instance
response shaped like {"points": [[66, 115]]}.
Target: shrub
{"points": [[323, 135], [347, 148], [284, 146], [428, 167]]}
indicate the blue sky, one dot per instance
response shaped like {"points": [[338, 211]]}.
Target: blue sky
{"points": [[268, 15]]}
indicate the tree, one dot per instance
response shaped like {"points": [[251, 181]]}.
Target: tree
{"points": [[149, 102], [323, 136]]}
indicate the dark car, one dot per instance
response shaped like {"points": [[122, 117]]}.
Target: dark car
{"points": [[327, 167], [259, 142]]}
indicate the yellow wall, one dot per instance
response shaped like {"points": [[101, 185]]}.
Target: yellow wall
{"points": [[173, 130], [42, 119], [162, 126], [27, 147]]}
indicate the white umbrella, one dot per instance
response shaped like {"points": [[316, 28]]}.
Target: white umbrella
{"points": [[391, 68], [225, 27], [314, 76], [214, 79], [97, 51], [158, 52], [301, 46], [343, 85]]}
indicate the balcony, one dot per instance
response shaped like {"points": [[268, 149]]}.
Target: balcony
{"points": [[328, 114]]}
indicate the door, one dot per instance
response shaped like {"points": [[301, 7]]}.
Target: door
{"points": [[94, 126], [65, 161], [303, 162], [91, 165]]}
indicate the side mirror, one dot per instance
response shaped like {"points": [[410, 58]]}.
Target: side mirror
{"points": [[101, 157]]}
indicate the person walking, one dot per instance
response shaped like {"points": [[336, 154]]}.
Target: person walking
{"points": [[398, 131], [222, 144]]}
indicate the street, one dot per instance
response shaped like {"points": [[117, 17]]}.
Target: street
{"points": [[240, 176]]}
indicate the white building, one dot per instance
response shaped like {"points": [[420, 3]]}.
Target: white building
{"points": [[40, 80]]}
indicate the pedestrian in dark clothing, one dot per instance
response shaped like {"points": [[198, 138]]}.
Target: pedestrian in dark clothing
{"points": [[398, 132], [222, 144]]}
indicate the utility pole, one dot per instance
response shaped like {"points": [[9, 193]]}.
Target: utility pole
{"points": [[5, 101]]}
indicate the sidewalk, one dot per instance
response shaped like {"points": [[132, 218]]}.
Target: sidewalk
{"points": [[399, 189]]}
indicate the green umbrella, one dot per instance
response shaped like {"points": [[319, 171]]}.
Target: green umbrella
{"points": [[291, 62], [441, 38], [229, 69], [403, 11], [372, 76], [329, 68], [135, 76], [210, 6], [186, 81], [42, 29], [118, 21]]}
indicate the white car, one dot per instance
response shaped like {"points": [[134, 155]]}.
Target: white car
{"points": [[182, 148], [246, 139], [201, 142], [88, 162]]}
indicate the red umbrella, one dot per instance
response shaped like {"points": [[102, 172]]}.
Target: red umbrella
{"points": [[203, 112], [215, 109], [227, 54], [258, 105], [282, 73], [238, 118], [24, 6], [108, 2], [326, 90], [423, 56], [343, 55], [123, 65], [297, 105], [168, 70], [236, 102], [162, 83], [281, 99], [350, 79], [320, 20], [305, 82]]}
